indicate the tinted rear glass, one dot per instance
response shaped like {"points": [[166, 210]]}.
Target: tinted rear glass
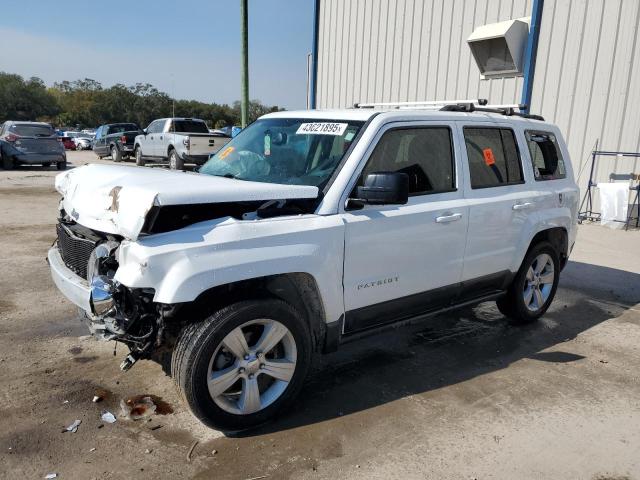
{"points": [[29, 130], [123, 127], [190, 126]]}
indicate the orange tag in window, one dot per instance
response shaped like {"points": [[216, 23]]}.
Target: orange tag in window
{"points": [[488, 157]]}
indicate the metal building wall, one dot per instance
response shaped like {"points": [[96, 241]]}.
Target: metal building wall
{"points": [[587, 79], [403, 50]]}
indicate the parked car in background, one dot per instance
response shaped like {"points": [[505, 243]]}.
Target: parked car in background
{"points": [[115, 139], [178, 141], [83, 142], [30, 143], [68, 143]]}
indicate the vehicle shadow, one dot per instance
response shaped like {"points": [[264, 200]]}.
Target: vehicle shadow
{"points": [[454, 347]]}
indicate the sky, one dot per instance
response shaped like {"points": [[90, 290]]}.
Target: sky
{"points": [[188, 48]]}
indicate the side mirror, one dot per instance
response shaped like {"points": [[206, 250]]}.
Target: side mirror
{"points": [[385, 188], [144, 131]]}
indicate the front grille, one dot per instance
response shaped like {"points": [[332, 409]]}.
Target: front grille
{"points": [[74, 250]]}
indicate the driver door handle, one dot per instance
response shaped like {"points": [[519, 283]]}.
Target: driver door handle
{"points": [[522, 206], [451, 217]]}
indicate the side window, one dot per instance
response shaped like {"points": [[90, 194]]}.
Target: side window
{"points": [[99, 133], [545, 155], [493, 157], [425, 154], [152, 128]]}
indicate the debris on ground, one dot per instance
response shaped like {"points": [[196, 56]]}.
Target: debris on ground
{"points": [[148, 450], [65, 402], [258, 478], [193, 447], [92, 449], [108, 417], [136, 408], [73, 428], [213, 452], [100, 395], [155, 427], [51, 475]]}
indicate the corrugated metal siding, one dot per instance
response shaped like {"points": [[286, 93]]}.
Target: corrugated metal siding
{"points": [[587, 79], [404, 50]]}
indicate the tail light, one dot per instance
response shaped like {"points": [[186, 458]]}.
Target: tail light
{"points": [[11, 137], [123, 139]]}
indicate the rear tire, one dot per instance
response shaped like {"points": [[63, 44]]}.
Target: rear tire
{"points": [[7, 162], [175, 162], [61, 165], [139, 158], [116, 156], [245, 393], [533, 287], [46, 164]]}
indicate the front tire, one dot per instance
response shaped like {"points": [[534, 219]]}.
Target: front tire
{"points": [[139, 158], [175, 162], [242, 365], [534, 286], [116, 156]]}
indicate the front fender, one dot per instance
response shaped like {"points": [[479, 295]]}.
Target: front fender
{"points": [[180, 265]]}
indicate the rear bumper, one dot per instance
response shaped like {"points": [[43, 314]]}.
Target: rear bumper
{"points": [[197, 159], [39, 158], [75, 288], [127, 148]]}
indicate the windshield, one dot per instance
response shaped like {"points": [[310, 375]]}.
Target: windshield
{"points": [[285, 150], [31, 130]]}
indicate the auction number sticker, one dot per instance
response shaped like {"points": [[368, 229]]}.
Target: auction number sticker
{"points": [[322, 128]]}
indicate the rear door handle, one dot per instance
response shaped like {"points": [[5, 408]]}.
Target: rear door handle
{"points": [[522, 206], [449, 218]]}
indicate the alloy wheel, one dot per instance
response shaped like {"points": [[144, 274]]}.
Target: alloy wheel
{"points": [[538, 282], [252, 366]]}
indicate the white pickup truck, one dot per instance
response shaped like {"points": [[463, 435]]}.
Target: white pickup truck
{"points": [[308, 230], [178, 141]]}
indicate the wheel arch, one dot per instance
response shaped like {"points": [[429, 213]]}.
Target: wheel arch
{"points": [[556, 236], [298, 289]]}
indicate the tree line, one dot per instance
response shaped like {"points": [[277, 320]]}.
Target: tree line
{"points": [[87, 104]]}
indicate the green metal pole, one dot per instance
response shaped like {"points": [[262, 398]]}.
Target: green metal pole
{"points": [[244, 106]]}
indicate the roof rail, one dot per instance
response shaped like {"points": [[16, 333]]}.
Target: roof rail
{"points": [[507, 110], [422, 104]]}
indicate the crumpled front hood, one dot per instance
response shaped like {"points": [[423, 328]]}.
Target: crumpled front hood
{"points": [[116, 199]]}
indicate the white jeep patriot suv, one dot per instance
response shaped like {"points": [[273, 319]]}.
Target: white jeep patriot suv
{"points": [[307, 230]]}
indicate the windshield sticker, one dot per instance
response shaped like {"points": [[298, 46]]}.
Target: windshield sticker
{"points": [[349, 136], [267, 145], [322, 128], [226, 152]]}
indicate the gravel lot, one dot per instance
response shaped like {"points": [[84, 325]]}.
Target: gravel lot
{"points": [[461, 396]]}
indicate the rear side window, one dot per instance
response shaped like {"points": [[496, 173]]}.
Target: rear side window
{"points": [[545, 155], [493, 156], [424, 154]]}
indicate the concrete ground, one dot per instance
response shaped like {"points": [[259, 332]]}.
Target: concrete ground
{"points": [[461, 396]]}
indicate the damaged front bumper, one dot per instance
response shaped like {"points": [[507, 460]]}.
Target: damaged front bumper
{"points": [[79, 292], [75, 288], [110, 310]]}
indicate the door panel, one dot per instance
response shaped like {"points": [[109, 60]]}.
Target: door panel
{"points": [[497, 214], [403, 260]]}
